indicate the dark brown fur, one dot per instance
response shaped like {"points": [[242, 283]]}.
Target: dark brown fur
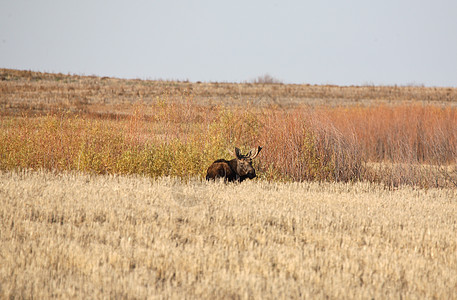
{"points": [[237, 169]]}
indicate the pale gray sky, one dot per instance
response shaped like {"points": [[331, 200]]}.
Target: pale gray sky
{"points": [[318, 42]]}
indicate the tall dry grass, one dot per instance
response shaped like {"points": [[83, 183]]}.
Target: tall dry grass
{"points": [[410, 144], [84, 236], [397, 145], [302, 147], [157, 128], [403, 133]]}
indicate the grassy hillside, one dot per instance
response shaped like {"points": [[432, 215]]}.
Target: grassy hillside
{"points": [[393, 135], [41, 92]]}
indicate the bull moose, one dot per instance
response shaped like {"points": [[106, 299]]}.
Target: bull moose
{"points": [[237, 169]]}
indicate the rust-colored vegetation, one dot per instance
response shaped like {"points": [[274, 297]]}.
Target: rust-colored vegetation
{"points": [[394, 135]]}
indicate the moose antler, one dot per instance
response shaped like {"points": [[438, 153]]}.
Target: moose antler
{"points": [[254, 152], [251, 154]]}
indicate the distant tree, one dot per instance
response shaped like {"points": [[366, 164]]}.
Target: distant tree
{"points": [[267, 78]]}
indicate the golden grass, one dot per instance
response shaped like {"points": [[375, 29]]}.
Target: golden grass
{"points": [[74, 235], [88, 236]]}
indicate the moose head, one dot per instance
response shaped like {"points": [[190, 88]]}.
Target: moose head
{"points": [[237, 169]]}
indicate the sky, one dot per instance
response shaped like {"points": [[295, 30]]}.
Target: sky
{"points": [[341, 42]]}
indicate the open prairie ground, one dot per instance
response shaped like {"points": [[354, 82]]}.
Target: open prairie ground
{"points": [[101, 190], [69, 235], [41, 92]]}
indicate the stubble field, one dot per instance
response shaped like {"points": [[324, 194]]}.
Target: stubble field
{"points": [[78, 236], [101, 190]]}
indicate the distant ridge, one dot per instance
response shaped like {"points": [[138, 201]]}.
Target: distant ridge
{"points": [[29, 86]]}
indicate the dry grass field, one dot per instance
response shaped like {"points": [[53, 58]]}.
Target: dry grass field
{"points": [[41, 92], [72, 235], [101, 190]]}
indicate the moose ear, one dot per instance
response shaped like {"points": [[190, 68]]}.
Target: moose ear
{"points": [[254, 152], [238, 153]]}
